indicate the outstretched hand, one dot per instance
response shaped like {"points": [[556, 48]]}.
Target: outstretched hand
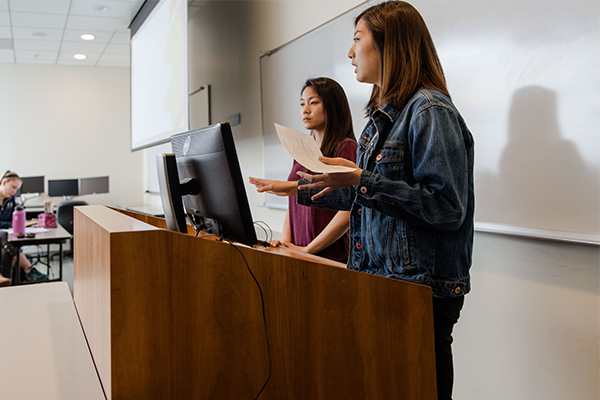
{"points": [[279, 188], [331, 181]]}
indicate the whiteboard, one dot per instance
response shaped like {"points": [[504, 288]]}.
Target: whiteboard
{"points": [[526, 77]]}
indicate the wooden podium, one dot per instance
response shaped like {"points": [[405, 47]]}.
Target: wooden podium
{"points": [[174, 316]]}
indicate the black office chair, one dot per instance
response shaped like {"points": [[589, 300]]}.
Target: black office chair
{"points": [[64, 216]]}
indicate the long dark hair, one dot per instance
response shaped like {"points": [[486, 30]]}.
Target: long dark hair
{"points": [[408, 57], [338, 119]]}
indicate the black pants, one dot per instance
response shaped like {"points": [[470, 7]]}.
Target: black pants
{"points": [[446, 312]]}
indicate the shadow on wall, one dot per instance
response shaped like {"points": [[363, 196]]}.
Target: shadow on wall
{"points": [[543, 181]]}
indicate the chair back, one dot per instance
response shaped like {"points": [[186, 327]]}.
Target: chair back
{"points": [[64, 213]]}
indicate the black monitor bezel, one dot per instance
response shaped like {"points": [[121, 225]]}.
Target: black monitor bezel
{"points": [[26, 179], [55, 192], [239, 226]]}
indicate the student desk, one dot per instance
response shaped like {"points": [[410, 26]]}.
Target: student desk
{"points": [[56, 235], [44, 354]]}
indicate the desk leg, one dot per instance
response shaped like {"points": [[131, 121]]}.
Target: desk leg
{"points": [[60, 261], [16, 271]]}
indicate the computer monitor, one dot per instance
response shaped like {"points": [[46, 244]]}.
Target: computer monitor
{"points": [[63, 187], [209, 180], [31, 184], [97, 185]]}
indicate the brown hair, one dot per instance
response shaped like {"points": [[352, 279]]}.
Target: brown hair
{"points": [[338, 118], [9, 176], [409, 60]]}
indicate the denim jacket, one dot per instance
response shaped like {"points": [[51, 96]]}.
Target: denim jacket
{"points": [[412, 211]]}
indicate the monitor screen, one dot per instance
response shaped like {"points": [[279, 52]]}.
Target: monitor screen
{"points": [[31, 184], [93, 185], [63, 187], [210, 183]]}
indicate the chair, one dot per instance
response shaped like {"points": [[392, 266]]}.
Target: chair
{"points": [[64, 216]]}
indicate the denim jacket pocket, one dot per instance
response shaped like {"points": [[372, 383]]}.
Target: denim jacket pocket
{"points": [[389, 160]]}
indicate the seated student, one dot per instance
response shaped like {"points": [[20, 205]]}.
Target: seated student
{"points": [[325, 112], [9, 184]]}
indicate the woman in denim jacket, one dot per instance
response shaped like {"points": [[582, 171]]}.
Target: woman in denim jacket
{"points": [[411, 196]]}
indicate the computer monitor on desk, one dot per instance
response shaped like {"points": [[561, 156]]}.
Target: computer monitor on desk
{"points": [[97, 185], [205, 173], [65, 188], [31, 185]]}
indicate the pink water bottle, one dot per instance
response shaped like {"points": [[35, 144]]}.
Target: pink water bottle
{"points": [[18, 220]]}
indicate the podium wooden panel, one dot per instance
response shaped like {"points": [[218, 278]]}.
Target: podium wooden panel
{"points": [[174, 316]]}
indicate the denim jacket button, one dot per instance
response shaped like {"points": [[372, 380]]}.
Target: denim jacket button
{"points": [[358, 246], [457, 290], [379, 157], [363, 190], [359, 211]]}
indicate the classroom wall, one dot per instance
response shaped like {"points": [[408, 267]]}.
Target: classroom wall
{"points": [[530, 326], [529, 329], [69, 122]]}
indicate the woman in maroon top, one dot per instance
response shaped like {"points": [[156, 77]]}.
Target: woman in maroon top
{"points": [[325, 112]]}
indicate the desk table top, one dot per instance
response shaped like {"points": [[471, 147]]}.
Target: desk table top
{"points": [[44, 353], [42, 236]]}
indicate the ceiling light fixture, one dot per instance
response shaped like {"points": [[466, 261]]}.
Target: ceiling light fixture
{"points": [[87, 36], [101, 8], [38, 34], [80, 56]]}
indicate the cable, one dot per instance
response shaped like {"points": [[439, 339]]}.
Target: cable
{"points": [[264, 230], [261, 223], [262, 299]]}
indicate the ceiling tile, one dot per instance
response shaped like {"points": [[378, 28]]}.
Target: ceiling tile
{"points": [[28, 33], [117, 49], [37, 45], [6, 44], [66, 58], [40, 6], [96, 23], [121, 37], [113, 60], [36, 61], [41, 29], [75, 36], [83, 47], [5, 32], [115, 9], [38, 20], [32, 55], [4, 18], [5, 54]]}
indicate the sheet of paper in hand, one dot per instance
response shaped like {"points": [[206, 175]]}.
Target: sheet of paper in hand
{"points": [[304, 149]]}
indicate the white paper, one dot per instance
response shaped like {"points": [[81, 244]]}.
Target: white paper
{"points": [[303, 148]]}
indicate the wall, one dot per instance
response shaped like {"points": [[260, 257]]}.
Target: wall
{"points": [[69, 122], [529, 329]]}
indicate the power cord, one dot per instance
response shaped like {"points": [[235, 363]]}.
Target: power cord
{"points": [[262, 299]]}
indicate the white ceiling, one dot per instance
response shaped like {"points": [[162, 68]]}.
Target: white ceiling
{"points": [[48, 31]]}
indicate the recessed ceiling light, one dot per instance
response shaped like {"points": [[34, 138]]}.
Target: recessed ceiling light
{"points": [[87, 36], [38, 34], [101, 8], [80, 56]]}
